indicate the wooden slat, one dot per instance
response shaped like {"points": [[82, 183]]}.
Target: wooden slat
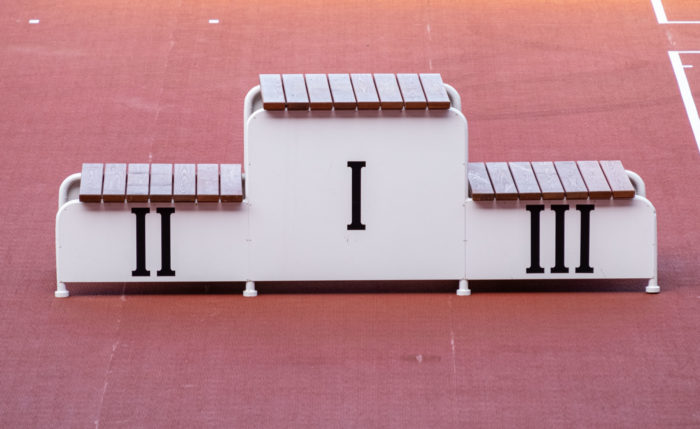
{"points": [[184, 182], [412, 91], [272, 92], [365, 91], [207, 183], [319, 93], [617, 179], [502, 181], [161, 183], [295, 91], [480, 188], [114, 188], [548, 179], [571, 180], [525, 181], [388, 90], [435, 92], [343, 95], [231, 183], [137, 183], [593, 177], [91, 183]]}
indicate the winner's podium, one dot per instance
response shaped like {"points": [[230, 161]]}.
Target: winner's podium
{"points": [[347, 177]]}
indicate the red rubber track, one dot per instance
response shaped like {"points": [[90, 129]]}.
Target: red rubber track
{"points": [[128, 81]]}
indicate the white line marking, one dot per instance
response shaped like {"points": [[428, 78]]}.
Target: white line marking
{"points": [[687, 66], [661, 17], [213, 21], [686, 94], [659, 11], [33, 21]]}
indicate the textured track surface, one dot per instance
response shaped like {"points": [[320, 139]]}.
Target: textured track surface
{"points": [[124, 81]]}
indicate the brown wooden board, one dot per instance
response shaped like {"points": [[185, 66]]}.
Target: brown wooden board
{"points": [[617, 179], [161, 183], [435, 92], [411, 91], [548, 180], [525, 181], [502, 181], [365, 91], [593, 177], [571, 180], [114, 188], [208, 183], [480, 188], [137, 182], [184, 183], [272, 92], [319, 92], [341, 89], [295, 91], [231, 183], [91, 183], [388, 90]]}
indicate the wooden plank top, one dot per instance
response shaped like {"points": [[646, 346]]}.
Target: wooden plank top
{"points": [[91, 183], [208, 183], [341, 89], [571, 180], [184, 181], [435, 92], [161, 183], [319, 92], [617, 179], [231, 183], [502, 181], [137, 182], [525, 181], [388, 90], [548, 179], [365, 91], [480, 188], [295, 91], [411, 91], [114, 188], [594, 179], [272, 92]]}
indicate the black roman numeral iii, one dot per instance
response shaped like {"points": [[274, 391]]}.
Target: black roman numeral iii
{"points": [[165, 270], [559, 213]]}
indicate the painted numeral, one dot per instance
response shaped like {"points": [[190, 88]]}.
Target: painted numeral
{"points": [[356, 167], [165, 269], [559, 235]]}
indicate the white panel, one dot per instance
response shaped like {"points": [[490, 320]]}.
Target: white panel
{"points": [[413, 191], [622, 240], [97, 242]]}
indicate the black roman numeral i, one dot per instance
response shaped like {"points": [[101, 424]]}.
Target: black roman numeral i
{"points": [[165, 270], [559, 228], [356, 167]]}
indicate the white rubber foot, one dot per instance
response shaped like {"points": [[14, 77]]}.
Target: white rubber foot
{"points": [[61, 291], [653, 289], [250, 291], [463, 288]]}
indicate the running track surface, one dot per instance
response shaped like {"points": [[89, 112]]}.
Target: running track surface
{"points": [[121, 81]]}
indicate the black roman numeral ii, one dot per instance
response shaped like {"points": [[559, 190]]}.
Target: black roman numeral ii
{"points": [[165, 270], [559, 213]]}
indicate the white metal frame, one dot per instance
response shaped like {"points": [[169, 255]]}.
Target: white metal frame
{"points": [[68, 193]]}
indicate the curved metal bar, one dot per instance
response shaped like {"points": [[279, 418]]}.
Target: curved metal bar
{"points": [[455, 99], [638, 183], [67, 185]]}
